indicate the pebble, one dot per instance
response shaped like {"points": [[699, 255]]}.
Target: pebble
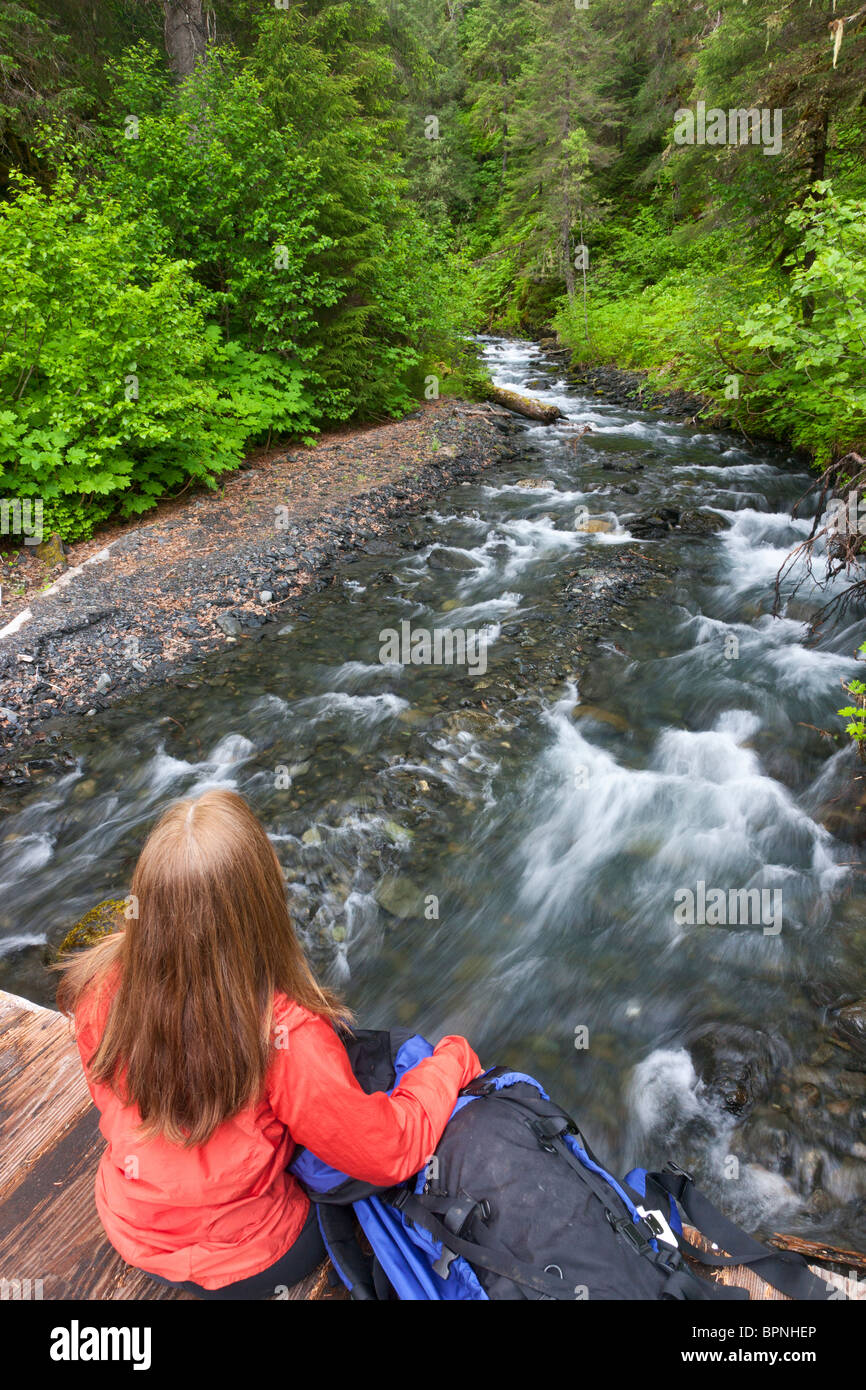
{"points": [[228, 623]]}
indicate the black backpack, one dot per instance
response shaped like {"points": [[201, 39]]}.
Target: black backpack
{"points": [[514, 1205]]}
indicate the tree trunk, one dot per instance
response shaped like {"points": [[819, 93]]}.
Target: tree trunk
{"points": [[185, 35], [565, 247], [817, 166], [524, 405], [503, 82]]}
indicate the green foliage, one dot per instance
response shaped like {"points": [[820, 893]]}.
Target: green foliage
{"points": [[780, 350], [856, 713], [805, 360], [221, 261], [276, 242], [112, 388]]}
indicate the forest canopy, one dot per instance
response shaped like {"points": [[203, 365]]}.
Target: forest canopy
{"points": [[226, 225]]}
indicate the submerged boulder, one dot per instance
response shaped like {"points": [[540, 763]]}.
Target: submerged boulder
{"points": [[736, 1064]]}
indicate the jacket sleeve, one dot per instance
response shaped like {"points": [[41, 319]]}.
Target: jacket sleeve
{"points": [[376, 1138]]}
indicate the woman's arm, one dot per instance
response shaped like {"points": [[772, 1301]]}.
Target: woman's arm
{"points": [[376, 1138]]}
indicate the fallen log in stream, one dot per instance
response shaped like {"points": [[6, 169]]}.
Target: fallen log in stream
{"points": [[525, 405]]}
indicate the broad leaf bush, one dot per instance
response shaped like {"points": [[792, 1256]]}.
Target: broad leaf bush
{"points": [[779, 349], [113, 390], [805, 348], [204, 276]]}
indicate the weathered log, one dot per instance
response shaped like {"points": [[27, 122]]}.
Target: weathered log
{"points": [[819, 1251], [741, 1276], [525, 405]]}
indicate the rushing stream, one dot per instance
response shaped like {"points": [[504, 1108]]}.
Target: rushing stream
{"points": [[503, 853]]}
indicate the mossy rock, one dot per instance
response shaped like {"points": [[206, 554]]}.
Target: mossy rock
{"points": [[100, 921], [51, 552]]}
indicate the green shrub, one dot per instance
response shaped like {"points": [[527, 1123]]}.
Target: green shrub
{"points": [[803, 350], [112, 389], [305, 239], [779, 350]]}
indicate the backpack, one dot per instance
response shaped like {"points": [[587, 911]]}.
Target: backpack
{"points": [[514, 1205]]}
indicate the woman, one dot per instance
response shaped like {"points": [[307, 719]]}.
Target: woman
{"points": [[211, 1052]]}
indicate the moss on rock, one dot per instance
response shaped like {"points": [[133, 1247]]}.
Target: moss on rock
{"points": [[98, 922]]}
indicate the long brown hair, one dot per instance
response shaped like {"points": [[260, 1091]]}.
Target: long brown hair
{"points": [[188, 1036]]}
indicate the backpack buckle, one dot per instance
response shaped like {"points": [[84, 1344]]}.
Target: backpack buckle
{"points": [[624, 1226], [548, 1127], [659, 1226], [671, 1167], [442, 1267]]}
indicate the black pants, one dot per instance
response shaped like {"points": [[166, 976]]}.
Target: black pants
{"points": [[300, 1259]]}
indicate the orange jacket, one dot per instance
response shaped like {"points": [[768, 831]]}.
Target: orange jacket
{"points": [[228, 1209]]}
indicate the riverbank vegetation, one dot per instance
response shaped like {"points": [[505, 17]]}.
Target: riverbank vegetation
{"points": [[734, 269], [206, 245], [227, 224]]}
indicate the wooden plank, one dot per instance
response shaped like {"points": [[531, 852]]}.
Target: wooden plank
{"points": [[818, 1250], [42, 1087], [739, 1276]]}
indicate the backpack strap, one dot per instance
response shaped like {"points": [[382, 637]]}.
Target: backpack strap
{"points": [[784, 1269], [355, 1269], [681, 1283]]}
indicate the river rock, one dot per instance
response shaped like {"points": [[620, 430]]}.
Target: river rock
{"points": [[399, 897], [851, 1026], [602, 716], [51, 552], [703, 523], [735, 1063], [846, 823], [616, 466], [228, 623], [442, 558], [106, 917], [664, 520], [653, 525]]}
